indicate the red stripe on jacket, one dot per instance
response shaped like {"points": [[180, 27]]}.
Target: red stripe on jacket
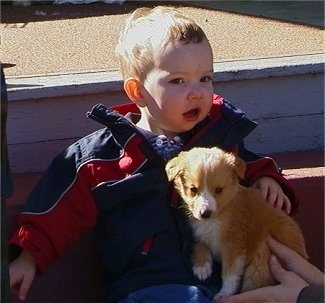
{"points": [[47, 235]]}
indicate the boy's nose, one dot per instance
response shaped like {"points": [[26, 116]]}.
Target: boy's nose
{"points": [[195, 91]]}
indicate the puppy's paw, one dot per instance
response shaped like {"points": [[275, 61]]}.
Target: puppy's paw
{"points": [[203, 272], [219, 295], [202, 261], [230, 286]]}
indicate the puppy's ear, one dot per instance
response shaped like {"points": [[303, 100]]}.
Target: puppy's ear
{"points": [[240, 167], [174, 167]]}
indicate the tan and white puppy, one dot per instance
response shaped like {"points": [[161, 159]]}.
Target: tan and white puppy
{"points": [[230, 222]]}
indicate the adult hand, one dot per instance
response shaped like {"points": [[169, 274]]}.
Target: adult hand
{"points": [[298, 274], [292, 261], [273, 193], [287, 291], [22, 273]]}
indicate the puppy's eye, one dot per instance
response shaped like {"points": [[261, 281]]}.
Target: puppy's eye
{"points": [[218, 190], [193, 190]]}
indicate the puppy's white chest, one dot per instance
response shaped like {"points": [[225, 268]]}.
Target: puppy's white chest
{"points": [[208, 232]]}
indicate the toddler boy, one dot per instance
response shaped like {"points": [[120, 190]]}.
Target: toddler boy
{"points": [[115, 177]]}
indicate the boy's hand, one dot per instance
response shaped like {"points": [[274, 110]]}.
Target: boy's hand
{"points": [[22, 273], [273, 193]]}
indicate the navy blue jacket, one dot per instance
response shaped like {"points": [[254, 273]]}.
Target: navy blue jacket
{"points": [[113, 180]]}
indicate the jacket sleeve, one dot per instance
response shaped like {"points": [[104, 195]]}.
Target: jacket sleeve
{"points": [[311, 294], [258, 166], [57, 212]]}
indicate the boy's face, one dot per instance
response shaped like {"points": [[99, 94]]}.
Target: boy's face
{"points": [[178, 92]]}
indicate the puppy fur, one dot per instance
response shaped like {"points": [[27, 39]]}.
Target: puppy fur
{"points": [[230, 222]]}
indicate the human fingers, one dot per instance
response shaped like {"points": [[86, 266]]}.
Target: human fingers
{"points": [[265, 294], [287, 291], [283, 276], [15, 285], [15, 278], [20, 286], [286, 204], [270, 190], [292, 261], [25, 286], [281, 202], [277, 270], [272, 196], [275, 196], [291, 283], [285, 254], [22, 273]]}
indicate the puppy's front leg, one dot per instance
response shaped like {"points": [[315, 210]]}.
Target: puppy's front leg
{"points": [[202, 261], [232, 274]]}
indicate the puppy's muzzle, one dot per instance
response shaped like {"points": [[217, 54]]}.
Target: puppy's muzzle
{"points": [[205, 214]]}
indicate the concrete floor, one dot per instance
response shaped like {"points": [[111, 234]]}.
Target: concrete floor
{"points": [[47, 39]]}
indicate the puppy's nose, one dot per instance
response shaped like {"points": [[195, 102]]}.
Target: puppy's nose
{"points": [[206, 214]]}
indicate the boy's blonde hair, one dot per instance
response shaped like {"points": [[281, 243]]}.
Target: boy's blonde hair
{"points": [[148, 30]]}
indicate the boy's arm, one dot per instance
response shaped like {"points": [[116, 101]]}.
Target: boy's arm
{"points": [[57, 212], [259, 167]]}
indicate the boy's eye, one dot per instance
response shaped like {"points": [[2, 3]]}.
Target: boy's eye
{"points": [[177, 81], [206, 79]]}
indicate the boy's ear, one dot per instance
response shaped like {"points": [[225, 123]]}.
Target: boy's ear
{"points": [[133, 89]]}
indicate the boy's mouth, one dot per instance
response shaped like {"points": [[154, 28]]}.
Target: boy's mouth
{"points": [[192, 114]]}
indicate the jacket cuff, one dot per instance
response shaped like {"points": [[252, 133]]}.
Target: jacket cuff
{"points": [[44, 256], [311, 294]]}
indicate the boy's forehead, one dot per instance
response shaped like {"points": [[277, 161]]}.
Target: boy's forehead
{"points": [[175, 54]]}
